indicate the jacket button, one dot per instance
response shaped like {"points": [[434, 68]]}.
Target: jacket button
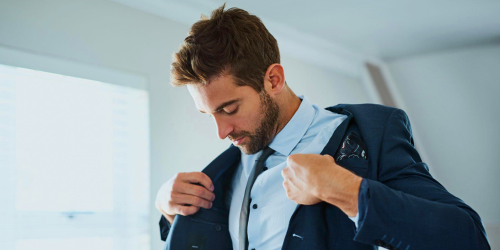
{"points": [[254, 206], [218, 227], [264, 168]]}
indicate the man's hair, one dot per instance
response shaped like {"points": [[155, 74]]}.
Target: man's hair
{"points": [[230, 42]]}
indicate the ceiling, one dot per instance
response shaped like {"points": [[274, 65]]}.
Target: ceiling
{"points": [[386, 29]]}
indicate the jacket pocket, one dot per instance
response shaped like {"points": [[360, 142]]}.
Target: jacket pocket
{"points": [[189, 233]]}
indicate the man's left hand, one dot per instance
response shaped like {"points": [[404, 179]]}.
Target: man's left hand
{"points": [[312, 178]]}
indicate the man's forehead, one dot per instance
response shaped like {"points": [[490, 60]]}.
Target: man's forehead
{"points": [[208, 97], [216, 85]]}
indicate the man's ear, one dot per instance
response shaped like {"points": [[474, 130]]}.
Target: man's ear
{"points": [[274, 79]]}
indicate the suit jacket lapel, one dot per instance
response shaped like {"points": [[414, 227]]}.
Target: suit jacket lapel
{"points": [[336, 139], [219, 167], [220, 164]]}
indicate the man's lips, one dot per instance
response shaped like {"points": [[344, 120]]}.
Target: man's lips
{"points": [[238, 141]]}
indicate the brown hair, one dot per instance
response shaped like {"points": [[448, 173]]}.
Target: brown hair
{"points": [[231, 41]]}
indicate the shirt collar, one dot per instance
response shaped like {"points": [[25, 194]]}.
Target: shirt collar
{"points": [[286, 140]]}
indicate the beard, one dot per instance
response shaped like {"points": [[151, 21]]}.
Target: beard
{"points": [[264, 132]]}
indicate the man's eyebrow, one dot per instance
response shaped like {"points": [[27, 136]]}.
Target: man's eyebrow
{"points": [[223, 105]]}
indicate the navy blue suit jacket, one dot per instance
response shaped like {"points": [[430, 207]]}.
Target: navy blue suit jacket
{"points": [[403, 206]]}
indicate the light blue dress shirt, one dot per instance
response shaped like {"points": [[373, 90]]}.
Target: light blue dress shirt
{"points": [[307, 132]]}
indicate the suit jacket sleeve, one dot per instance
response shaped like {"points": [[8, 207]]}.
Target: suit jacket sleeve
{"points": [[408, 209], [164, 228]]}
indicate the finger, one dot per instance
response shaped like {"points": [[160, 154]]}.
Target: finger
{"points": [[290, 189], [293, 182], [199, 177], [192, 189], [290, 160], [286, 186], [293, 186], [186, 199], [285, 173], [187, 210], [288, 173], [329, 157]]}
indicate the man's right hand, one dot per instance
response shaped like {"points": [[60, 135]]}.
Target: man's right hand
{"points": [[185, 194]]}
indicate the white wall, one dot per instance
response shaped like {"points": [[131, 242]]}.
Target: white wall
{"points": [[453, 101], [107, 34], [322, 87]]}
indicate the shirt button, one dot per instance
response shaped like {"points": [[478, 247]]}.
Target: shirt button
{"points": [[254, 206]]}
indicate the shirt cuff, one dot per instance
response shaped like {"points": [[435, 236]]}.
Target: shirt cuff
{"points": [[362, 201], [355, 219]]}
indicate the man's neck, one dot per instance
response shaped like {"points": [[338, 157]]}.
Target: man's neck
{"points": [[287, 110]]}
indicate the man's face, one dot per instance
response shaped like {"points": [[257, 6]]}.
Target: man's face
{"points": [[249, 119]]}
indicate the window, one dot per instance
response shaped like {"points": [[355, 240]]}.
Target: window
{"points": [[74, 158]]}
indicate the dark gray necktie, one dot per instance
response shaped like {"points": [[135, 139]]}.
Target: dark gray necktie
{"points": [[245, 207]]}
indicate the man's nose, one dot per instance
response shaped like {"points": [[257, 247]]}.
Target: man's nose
{"points": [[223, 128]]}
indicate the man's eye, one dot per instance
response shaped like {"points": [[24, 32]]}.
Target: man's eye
{"points": [[232, 112]]}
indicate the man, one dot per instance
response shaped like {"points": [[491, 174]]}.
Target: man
{"points": [[298, 176]]}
